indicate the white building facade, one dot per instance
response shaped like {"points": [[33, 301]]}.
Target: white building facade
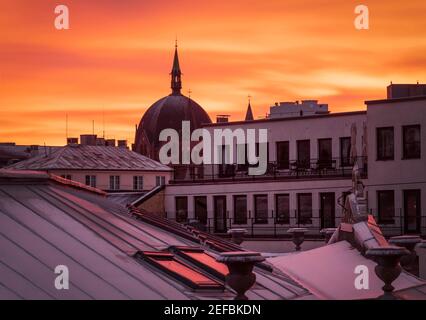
{"points": [[310, 172], [397, 163]]}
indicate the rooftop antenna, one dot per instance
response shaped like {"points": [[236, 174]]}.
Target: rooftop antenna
{"points": [[93, 127], [189, 94], [66, 126], [103, 122]]}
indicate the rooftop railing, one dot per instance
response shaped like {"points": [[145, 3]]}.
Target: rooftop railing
{"points": [[271, 224], [296, 169]]}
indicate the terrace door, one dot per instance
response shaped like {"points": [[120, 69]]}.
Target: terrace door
{"points": [[324, 153], [200, 204], [303, 154], [219, 214], [327, 210], [412, 211]]}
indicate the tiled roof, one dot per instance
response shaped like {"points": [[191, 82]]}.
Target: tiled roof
{"points": [[81, 157], [46, 222]]}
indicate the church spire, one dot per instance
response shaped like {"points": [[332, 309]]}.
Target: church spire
{"points": [[176, 73], [249, 113]]}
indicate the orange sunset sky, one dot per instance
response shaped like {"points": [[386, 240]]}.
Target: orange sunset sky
{"points": [[116, 58]]}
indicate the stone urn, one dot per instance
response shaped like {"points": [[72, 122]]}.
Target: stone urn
{"points": [[408, 262], [388, 267], [240, 265], [327, 233], [298, 236], [237, 235]]}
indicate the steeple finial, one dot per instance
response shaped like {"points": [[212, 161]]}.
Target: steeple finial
{"points": [[249, 113], [176, 83]]}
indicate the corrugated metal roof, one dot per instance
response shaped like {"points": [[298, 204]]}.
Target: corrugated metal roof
{"points": [[82, 157], [45, 223], [125, 198]]}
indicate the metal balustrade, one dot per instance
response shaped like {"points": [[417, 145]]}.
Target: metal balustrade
{"points": [[314, 168], [271, 225]]}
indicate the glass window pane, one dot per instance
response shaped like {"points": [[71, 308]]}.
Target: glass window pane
{"points": [[282, 208], [304, 205], [411, 141], [386, 206], [303, 154], [345, 151], [201, 209], [240, 209], [283, 155], [385, 144], [261, 208], [181, 209]]}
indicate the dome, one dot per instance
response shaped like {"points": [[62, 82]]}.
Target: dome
{"points": [[168, 113]]}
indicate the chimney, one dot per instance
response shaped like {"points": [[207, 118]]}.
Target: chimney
{"points": [[33, 150], [110, 142], [88, 139], [222, 118], [72, 141], [122, 144]]}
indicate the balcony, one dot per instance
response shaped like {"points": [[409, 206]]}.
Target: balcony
{"points": [[307, 169]]}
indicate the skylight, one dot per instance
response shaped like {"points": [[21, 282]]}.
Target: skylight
{"points": [[200, 258], [179, 270]]}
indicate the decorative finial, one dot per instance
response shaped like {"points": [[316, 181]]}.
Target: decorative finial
{"points": [[176, 42], [189, 93]]}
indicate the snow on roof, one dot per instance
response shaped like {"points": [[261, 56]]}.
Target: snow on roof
{"points": [[45, 223], [329, 272], [83, 157]]}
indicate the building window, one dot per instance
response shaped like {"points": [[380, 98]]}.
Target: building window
{"points": [[240, 209], [411, 142], [386, 206], [181, 209], [137, 182], [282, 208], [66, 176], [160, 180], [304, 208], [91, 181], [114, 182], [345, 152], [261, 209], [325, 155], [283, 155], [304, 154], [200, 205], [385, 144]]}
